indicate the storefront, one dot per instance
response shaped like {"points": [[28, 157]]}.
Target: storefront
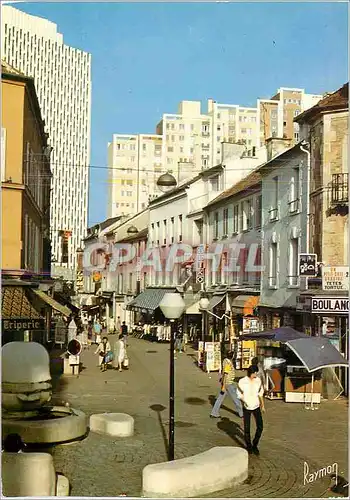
{"points": [[244, 321], [326, 314], [215, 324], [21, 321], [146, 305]]}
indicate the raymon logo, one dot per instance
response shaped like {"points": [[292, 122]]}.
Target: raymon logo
{"points": [[229, 257]]}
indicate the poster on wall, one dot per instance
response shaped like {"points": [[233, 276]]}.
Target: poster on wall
{"points": [[250, 325], [276, 321], [212, 356], [335, 278]]}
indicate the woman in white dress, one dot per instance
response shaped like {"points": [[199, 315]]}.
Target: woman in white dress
{"points": [[119, 353]]}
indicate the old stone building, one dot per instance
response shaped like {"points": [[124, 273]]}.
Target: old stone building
{"points": [[325, 128]]}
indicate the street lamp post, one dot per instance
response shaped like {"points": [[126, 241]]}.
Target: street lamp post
{"points": [[172, 306]]}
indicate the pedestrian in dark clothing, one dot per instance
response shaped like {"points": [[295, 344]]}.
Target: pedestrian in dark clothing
{"points": [[125, 333]]}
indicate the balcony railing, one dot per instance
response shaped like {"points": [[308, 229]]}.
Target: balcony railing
{"points": [[339, 189]]}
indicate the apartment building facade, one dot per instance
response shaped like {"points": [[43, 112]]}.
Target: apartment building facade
{"points": [[231, 124], [135, 163], [325, 129], [62, 77], [275, 116], [186, 139], [25, 178], [284, 235]]}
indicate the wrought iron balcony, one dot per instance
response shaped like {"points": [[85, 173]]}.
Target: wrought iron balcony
{"points": [[340, 189], [339, 195]]}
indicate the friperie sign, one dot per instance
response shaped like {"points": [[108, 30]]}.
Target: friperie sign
{"points": [[335, 305], [335, 278]]}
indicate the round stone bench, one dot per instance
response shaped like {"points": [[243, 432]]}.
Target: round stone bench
{"points": [[31, 475], [112, 424], [214, 470]]}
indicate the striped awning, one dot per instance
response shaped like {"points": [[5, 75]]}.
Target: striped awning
{"points": [[216, 300], [149, 299], [53, 303], [244, 304]]}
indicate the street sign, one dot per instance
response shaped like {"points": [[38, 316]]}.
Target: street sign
{"points": [[307, 264], [335, 278], [334, 305]]}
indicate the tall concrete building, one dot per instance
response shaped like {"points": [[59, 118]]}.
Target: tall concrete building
{"points": [[276, 115], [62, 77], [231, 123], [186, 140], [135, 163]]}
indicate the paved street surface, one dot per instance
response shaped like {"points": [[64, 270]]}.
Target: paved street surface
{"points": [[105, 466]]}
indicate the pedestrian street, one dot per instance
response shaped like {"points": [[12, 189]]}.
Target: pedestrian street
{"points": [[105, 466]]}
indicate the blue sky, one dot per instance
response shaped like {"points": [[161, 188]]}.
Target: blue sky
{"points": [[147, 57]]}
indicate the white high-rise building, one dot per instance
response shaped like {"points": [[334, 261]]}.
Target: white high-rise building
{"points": [[62, 77], [135, 163], [186, 140]]}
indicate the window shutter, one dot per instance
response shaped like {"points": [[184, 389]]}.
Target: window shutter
{"points": [[278, 262]]}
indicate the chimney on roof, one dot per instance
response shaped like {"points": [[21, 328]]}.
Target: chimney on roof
{"points": [[276, 146]]}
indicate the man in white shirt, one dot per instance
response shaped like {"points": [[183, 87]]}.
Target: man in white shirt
{"points": [[251, 392]]}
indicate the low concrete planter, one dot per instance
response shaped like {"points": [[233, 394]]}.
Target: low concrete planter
{"points": [[214, 470], [72, 424], [31, 475], [112, 424]]}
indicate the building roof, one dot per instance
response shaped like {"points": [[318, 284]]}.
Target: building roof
{"points": [[8, 72], [332, 102], [7, 69], [244, 184], [15, 304]]}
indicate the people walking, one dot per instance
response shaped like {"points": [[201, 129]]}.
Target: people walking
{"points": [[118, 326], [119, 353], [97, 331], [261, 373], [102, 350], [178, 340], [251, 392], [228, 386], [124, 330]]}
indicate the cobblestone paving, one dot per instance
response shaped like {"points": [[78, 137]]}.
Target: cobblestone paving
{"points": [[105, 466]]}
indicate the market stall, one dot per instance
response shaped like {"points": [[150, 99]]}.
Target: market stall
{"points": [[293, 363]]}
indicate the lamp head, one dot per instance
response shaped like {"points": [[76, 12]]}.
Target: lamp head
{"points": [[166, 182], [204, 304], [172, 305]]}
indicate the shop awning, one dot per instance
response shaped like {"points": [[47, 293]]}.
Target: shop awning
{"points": [[53, 303], [193, 309], [316, 353], [216, 300], [244, 304], [149, 299], [15, 304], [282, 334]]}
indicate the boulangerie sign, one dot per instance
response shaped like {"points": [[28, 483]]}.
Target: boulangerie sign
{"points": [[335, 305]]}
